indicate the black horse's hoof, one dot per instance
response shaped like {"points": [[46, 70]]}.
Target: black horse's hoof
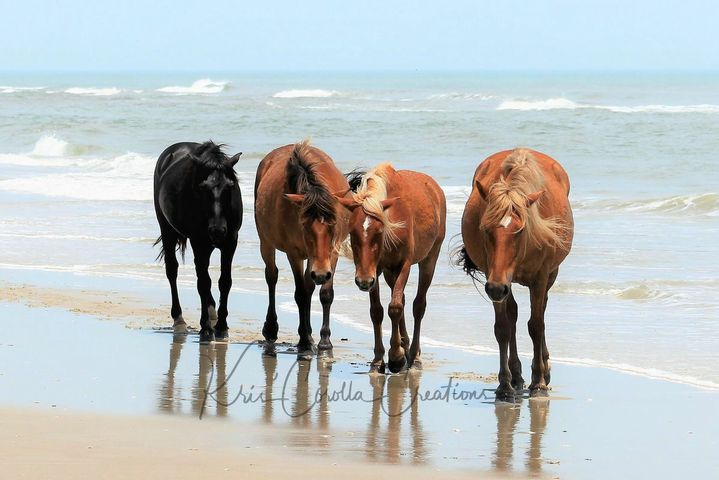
{"points": [[539, 392], [206, 336], [222, 335], [269, 350], [504, 393], [324, 345], [396, 366]]}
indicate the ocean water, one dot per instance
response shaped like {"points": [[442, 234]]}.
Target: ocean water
{"points": [[639, 292]]}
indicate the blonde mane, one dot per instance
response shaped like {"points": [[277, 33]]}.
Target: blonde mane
{"points": [[370, 193], [520, 177]]}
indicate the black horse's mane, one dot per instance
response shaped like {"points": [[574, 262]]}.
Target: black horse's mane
{"points": [[302, 179], [209, 155]]}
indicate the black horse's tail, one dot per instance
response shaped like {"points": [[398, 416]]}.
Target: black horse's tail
{"points": [[181, 247], [461, 259], [354, 178]]}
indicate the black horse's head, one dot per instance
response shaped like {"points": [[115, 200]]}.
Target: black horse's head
{"points": [[216, 183]]}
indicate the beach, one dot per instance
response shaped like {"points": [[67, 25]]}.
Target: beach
{"points": [[93, 381]]}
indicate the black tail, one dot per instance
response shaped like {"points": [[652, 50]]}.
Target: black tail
{"points": [[181, 247], [461, 259], [354, 178]]}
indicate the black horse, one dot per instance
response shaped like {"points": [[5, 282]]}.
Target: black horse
{"points": [[197, 197]]}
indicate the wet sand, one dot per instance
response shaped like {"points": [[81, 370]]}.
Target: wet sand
{"points": [[152, 403]]}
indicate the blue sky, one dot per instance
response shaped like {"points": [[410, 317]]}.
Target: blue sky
{"points": [[359, 35]]}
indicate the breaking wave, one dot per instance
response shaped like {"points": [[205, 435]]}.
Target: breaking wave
{"points": [[200, 87]]}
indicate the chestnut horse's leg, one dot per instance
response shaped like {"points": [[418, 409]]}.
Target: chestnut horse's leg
{"points": [[225, 283], [169, 243], [204, 283], [515, 366], [376, 313], [502, 332], [426, 273], [538, 296], [391, 278], [304, 286], [327, 296], [545, 352], [270, 328], [396, 355]]}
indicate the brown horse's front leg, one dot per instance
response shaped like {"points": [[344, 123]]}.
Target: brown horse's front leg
{"points": [[327, 296], [271, 327], [538, 295], [376, 313], [396, 357], [426, 273], [503, 332], [515, 365], [304, 287]]}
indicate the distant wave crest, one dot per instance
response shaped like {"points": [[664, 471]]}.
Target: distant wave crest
{"points": [[316, 93], [94, 92], [200, 87], [698, 204], [560, 103], [9, 89]]}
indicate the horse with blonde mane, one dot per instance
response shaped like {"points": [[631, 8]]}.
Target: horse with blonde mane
{"points": [[296, 212], [397, 220], [517, 227]]}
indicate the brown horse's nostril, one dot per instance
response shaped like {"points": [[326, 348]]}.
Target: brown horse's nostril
{"points": [[321, 278], [496, 291], [364, 285]]}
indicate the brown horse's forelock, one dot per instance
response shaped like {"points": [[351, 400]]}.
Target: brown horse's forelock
{"points": [[209, 155], [318, 203]]}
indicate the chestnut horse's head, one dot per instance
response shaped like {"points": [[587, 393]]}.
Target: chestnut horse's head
{"points": [[369, 235], [217, 189], [503, 225]]}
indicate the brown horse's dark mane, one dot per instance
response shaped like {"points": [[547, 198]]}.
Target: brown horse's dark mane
{"points": [[209, 155], [303, 179]]}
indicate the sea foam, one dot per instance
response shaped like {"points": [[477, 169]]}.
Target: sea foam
{"points": [[560, 103], [202, 86], [316, 93], [94, 92]]}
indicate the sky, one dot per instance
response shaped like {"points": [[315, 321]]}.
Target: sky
{"points": [[358, 35]]}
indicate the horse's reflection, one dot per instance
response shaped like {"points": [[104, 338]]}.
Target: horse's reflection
{"points": [[508, 415], [210, 386], [395, 398]]}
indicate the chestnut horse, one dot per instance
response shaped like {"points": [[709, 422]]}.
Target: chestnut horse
{"points": [[398, 219], [296, 212], [517, 227]]}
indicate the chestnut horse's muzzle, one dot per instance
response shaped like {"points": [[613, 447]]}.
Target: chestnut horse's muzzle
{"points": [[320, 277], [497, 291], [365, 284]]}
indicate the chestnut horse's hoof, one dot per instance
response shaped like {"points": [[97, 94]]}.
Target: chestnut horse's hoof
{"points": [[179, 326], [206, 336], [416, 364], [539, 391], [222, 335], [269, 350], [396, 366], [518, 383], [305, 352], [324, 344], [505, 393]]}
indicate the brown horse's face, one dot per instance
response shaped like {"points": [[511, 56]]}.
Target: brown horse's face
{"points": [[319, 237], [501, 249], [367, 237]]}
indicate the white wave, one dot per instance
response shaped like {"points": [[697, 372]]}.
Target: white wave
{"points": [[456, 198], [316, 93], [699, 204], [560, 103], [49, 151], [94, 92], [50, 146], [127, 177], [202, 86], [548, 104], [50, 236], [461, 96], [9, 89]]}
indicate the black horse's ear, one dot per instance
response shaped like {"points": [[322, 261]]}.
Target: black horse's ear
{"points": [[234, 159]]}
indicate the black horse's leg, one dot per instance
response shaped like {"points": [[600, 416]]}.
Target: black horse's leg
{"points": [[327, 296], [515, 365], [225, 283], [169, 243], [204, 283], [270, 329]]}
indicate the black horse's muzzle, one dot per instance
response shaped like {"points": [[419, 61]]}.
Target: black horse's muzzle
{"points": [[217, 234]]}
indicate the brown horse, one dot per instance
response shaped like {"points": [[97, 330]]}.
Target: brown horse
{"points": [[517, 227], [296, 212], [401, 222]]}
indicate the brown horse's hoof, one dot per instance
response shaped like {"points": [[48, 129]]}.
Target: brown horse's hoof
{"points": [[305, 352], [324, 344], [396, 366], [377, 368], [504, 393], [179, 326], [539, 391], [222, 335], [206, 336], [517, 383], [416, 364]]}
